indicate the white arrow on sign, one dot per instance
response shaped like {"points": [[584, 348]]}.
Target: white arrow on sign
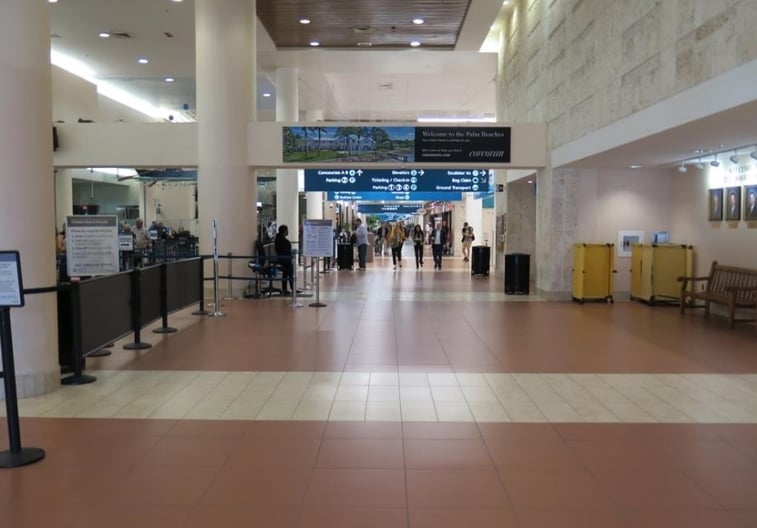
{"points": [[421, 172]]}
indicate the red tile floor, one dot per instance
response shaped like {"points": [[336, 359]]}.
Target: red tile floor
{"points": [[187, 473]]}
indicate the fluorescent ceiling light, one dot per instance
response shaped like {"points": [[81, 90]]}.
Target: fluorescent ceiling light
{"points": [[78, 68], [103, 34], [456, 120], [304, 21], [634, 166], [418, 21], [114, 170], [266, 94], [170, 79], [415, 43], [315, 43], [143, 60]]}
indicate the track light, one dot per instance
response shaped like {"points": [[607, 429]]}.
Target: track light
{"points": [[699, 165], [715, 162], [754, 153], [734, 159], [682, 168]]}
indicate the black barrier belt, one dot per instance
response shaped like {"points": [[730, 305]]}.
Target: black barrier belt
{"points": [[45, 289]]}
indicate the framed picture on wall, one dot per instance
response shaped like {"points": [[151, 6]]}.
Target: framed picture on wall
{"points": [[750, 203], [715, 205], [733, 203], [626, 239]]}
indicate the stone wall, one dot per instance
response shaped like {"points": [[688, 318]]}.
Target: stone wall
{"points": [[579, 65]]}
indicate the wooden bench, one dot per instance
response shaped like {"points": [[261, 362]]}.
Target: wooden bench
{"points": [[734, 288]]}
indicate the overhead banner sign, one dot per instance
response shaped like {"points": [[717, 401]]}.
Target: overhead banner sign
{"points": [[368, 196], [398, 180], [396, 144]]}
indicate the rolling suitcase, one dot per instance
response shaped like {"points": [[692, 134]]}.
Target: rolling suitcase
{"points": [[479, 262], [344, 256]]}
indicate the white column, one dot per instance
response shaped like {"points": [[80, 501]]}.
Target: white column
{"points": [[27, 202], [474, 216], [224, 54], [287, 110], [314, 199], [64, 196]]}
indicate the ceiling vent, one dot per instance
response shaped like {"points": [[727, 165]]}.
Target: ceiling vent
{"points": [[362, 29], [386, 86], [120, 35]]}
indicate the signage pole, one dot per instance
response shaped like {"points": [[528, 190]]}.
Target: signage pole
{"points": [[216, 303], [317, 303], [12, 295]]}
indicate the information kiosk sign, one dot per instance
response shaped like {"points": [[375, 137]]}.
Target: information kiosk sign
{"points": [[11, 284], [92, 245], [318, 238]]}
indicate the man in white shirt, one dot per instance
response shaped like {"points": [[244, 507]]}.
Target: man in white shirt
{"points": [[361, 233]]}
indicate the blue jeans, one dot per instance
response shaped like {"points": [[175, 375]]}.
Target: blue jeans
{"points": [[362, 250]]}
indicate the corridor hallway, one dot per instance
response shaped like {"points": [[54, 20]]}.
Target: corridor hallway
{"points": [[415, 398]]}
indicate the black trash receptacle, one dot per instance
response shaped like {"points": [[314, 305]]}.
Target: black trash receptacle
{"points": [[480, 256], [517, 273]]}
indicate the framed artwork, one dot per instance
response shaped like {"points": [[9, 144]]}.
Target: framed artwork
{"points": [[715, 205], [626, 239], [733, 203], [750, 203]]}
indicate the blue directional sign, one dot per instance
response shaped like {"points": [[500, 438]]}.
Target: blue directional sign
{"points": [[400, 209], [367, 196], [398, 180]]}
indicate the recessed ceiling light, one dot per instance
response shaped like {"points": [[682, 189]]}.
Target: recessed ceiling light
{"points": [[103, 35], [315, 43], [304, 21], [266, 94], [415, 43], [170, 79], [418, 21], [634, 166], [143, 60]]}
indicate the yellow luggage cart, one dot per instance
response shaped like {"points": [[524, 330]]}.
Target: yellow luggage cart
{"points": [[655, 269], [593, 273]]}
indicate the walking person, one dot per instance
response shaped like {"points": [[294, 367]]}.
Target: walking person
{"points": [[396, 240], [418, 239], [439, 238], [361, 234], [468, 238]]}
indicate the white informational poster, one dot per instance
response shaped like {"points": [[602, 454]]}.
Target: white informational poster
{"points": [[11, 288], [92, 245], [318, 238]]}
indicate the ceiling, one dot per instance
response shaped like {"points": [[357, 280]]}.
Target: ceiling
{"points": [[445, 76], [343, 78]]}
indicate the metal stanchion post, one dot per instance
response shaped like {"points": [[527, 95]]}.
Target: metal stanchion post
{"points": [[294, 303], [216, 305], [228, 275], [317, 303]]}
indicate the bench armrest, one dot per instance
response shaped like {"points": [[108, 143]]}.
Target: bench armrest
{"points": [[693, 279]]}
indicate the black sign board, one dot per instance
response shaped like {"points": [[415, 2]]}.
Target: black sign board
{"points": [[11, 285], [462, 144]]}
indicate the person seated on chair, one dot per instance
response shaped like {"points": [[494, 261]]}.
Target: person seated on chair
{"points": [[283, 248]]}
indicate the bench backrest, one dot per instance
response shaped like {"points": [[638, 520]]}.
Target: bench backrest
{"points": [[722, 277]]}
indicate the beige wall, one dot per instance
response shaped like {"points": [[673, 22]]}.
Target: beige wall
{"points": [[732, 243], [582, 65], [633, 200]]}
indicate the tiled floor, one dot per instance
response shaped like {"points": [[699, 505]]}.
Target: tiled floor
{"points": [[414, 399]]}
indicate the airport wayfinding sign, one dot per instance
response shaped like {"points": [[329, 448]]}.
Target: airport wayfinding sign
{"points": [[418, 196], [398, 180]]}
